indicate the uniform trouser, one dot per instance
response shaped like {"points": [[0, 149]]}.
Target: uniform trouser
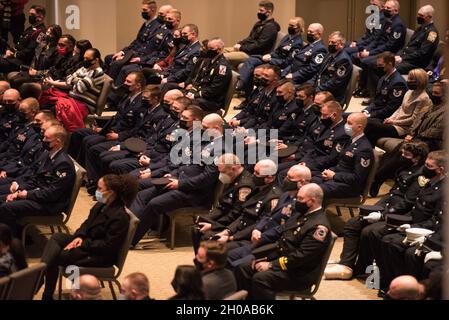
{"points": [[235, 58], [352, 234], [151, 203], [337, 190], [107, 157], [264, 285], [76, 150], [376, 130], [390, 258], [238, 256], [55, 256], [89, 142], [10, 212], [366, 245], [247, 72], [207, 105], [8, 65], [16, 28], [405, 67], [389, 165], [115, 67], [94, 166], [368, 78]]}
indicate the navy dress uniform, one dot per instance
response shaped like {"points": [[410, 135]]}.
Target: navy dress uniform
{"points": [[420, 203], [24, 49], [139, 47], [334, 75], [8, 120], [405, 178], [295, 258], [297, 126], [280, 114], [352, 170], [280, 57], [306, 62], [419, 51], [250, 105], [390, 93], [262, 108], [197, 182], [48, 190], [211, 84], [183, 63], [17, 141]]}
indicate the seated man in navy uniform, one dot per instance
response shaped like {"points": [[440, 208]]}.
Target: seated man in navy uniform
{"points": [[414, 156], [280, 57], [391, 37], [209, 86], [192, 184], [24, 50], [184, 60], [47, 191], [144, 39], [348, 176], [308, 59], [8, 120], [419, 51], [390, 91], [297, 177], [336, 70], [293, 260]]}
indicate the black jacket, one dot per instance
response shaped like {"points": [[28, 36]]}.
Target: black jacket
{"points": [[104, 230], [262, 38]]}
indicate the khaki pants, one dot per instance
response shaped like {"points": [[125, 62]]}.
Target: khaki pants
{"points": [[235, 57]]}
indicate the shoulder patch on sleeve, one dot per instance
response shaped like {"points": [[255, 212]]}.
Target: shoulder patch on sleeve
{"points": [[365, 163], [319, 58], [397, 35], [321, 233], [222, 70], [397, 93], [195, 59], [432, 36], [341, 72], [243, 193]]}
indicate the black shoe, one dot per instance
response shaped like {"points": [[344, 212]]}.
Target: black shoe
{"points": [[240, 106], [361, 93], [367, 102]]}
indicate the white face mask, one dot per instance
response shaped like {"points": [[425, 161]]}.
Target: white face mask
{"points": [[225, 179]]}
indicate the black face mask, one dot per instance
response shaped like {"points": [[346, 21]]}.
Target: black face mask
{"points": [[32, 20], [165, 107], [177, 41], [22, 117], [289, 185], [332, 48], [50, 39], [291, 31], [310, 38], [412, 85], [380, 71], [420, 20], [146, 15], [36, 127], [185, 40], [210, 54], [280, 99], [174, 115], [301, 208], [169, 25], [146, 104], [262, 16], [428, 173], [11, 108], [46, 145], [388, 14], [436, 100], [257, 82], [160, 19], [327, 122], [300, 103], [87, 63], [264, 82], [407, 163], [259, 181], [184, 124]]}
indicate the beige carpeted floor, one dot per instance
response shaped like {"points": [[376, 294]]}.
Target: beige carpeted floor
{"points": [[159, 263]]}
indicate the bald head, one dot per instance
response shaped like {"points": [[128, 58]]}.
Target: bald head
{"points": [[425, 14], [4, 85], [11, 95], [358, 123], [316, 28], [89, 290], [214, 124], [172, 95], [163, 10], [405, 288], [266, 167], [217, 45], [311, 193], [299, 174]]}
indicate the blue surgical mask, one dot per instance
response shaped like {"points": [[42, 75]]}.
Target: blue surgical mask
{"points": [[348, 130], [100, 197]]}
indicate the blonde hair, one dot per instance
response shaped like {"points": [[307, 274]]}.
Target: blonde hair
{"points": [[421, 77], [300, 23]]}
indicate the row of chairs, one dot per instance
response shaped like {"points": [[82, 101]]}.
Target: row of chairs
{"points": [[22, 285]]}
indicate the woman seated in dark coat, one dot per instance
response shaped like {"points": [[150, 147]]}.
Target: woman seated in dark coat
{"points": [[99, 239], [12, 257], [187, 284]]}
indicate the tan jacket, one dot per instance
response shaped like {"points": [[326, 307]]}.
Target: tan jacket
{"points": [[413, 106]]}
